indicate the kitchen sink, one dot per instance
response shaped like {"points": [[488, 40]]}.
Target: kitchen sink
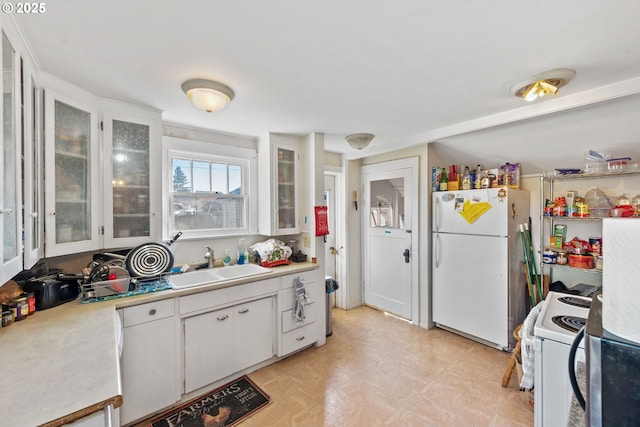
{"points": [[214, 275], [243, 270]]}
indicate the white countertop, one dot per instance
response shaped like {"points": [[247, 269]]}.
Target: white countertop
{"points": [[61, 364]]}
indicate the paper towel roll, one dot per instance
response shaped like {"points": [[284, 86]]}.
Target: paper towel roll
{"points": [[621, 277]]}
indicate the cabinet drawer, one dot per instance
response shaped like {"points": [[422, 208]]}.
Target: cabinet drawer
{"points": [[298, 338], [289, 280], [289, 321], [147, 312], [227, 296], [289, 296]]}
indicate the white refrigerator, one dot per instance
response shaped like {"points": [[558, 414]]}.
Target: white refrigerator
{"points": [[478, 280]]}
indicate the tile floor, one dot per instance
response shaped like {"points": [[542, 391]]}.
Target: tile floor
{"points": [[376, 370]]}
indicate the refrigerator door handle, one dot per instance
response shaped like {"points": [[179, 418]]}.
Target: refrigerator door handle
{"points": [[436, 250], [435, 214]]}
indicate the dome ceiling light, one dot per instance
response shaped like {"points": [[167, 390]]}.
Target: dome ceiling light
{"points": [[359, 140], [542, 84], [208, 95]]}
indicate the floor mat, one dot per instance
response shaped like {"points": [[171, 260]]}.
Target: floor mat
{"points": [[222, 407]]}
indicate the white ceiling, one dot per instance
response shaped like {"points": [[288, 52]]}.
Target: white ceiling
{"points": [[409, 71]]}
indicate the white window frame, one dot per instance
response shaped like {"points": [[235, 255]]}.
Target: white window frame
{"points": [[213, 152]]}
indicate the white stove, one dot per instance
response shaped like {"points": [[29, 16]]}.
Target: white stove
{"points": [[558, 324], [562, 317]]}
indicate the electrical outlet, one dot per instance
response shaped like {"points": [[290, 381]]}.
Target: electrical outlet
{"points": [[307, 241]]}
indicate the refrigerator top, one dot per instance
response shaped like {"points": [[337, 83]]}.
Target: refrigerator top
{"points": [[489, 212]]}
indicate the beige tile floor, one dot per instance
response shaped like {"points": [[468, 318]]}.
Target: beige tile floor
{"points": [[376, 370]]}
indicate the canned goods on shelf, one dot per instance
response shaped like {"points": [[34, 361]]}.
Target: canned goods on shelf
{"points": [[549, 257]]}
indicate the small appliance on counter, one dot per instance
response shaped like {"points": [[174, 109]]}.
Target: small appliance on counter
{"points": [[51, 291]]}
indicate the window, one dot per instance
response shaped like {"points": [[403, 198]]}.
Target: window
{"points": [[209, 193]]}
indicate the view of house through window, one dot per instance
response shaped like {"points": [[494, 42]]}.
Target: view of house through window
{"points": [[208, 194]]}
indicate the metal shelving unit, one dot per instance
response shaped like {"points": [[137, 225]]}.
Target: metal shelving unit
{"points": [[547, 222]]}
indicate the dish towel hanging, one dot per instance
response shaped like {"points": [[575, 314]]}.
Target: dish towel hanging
{"points": [[527, 348], [298, 303]]}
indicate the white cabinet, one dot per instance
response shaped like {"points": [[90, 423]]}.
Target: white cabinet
{"points": [[297, 334], [221, 342], [73, 191], [131, 195], [208, 348], [149, 359], [278, 163], [100, 157], [10, 183]]}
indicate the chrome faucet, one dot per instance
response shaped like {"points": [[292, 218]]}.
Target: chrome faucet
{"points": [[209, 257]]}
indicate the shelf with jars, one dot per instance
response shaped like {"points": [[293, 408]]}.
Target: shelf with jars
{"points": [[576, 214]]}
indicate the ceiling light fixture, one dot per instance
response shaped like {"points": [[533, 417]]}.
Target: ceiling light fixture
{"points": [[542, 84], [359, 140], [208, 95]]}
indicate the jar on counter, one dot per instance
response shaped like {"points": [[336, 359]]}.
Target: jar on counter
{"points": [[7, 317], [21, 307], [31, 301], [562, 257]]}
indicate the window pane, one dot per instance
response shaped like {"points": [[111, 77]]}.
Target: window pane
{"points": [[235, 179], [387, 203], [213, 200], [219, 174], [201, 177], [181, 173], [205, 212]]}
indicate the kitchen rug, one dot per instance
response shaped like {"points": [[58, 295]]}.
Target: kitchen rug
{"points": [[223, 407]]}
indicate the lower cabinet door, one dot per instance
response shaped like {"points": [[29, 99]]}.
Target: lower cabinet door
{"points": [[208, 348], [149, 374], [254, 332]]}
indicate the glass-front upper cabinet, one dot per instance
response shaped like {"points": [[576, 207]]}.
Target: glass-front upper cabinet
{"points": [[33, 154], [286, 172], [131, 197], [10, 214], [72, 204], [278, 159]]}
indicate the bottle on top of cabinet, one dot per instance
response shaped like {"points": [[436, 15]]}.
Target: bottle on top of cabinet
{"points": [[466, 179], [444, 182], [478, 182]]}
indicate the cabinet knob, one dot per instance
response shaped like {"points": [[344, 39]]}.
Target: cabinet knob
{"points": [[152, 312], [225, 317], [246, 310], [300, 338]]}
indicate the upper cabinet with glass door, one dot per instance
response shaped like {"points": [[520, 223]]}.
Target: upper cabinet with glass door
{"points": [[131, 198], [279, 185], [72, 214], [10, 203]]}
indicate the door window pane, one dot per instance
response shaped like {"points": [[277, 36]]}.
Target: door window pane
{"points": [[387, 203]]}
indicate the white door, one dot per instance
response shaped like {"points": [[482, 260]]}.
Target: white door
{"points": [[390, 236], [330, 249]]}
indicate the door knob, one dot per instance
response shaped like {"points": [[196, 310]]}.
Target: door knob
{"points": [[406, 254]]}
